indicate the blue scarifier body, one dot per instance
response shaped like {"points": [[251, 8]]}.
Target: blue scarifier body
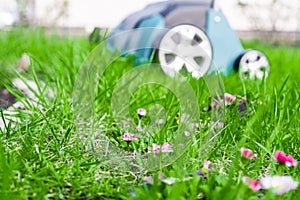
{"points": [[144, 55], [226, 47], [225, 42]]}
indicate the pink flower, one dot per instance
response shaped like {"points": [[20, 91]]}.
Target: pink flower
{"points": [[195, 126], [134, 137], [253, 184], [23, 63], [204, 170], [139, 128], [229, 99], [279, 184], [288, 160], [148, 179], [155, 148], [161, 175], [206, 109], [220, 125], [127, 137], [206, 164], [141, 112], [215, 103], [183, 118], [160, 121], [247, 153], [166, 147]]}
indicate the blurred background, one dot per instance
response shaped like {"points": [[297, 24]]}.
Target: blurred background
{"points": [[277, 21]]}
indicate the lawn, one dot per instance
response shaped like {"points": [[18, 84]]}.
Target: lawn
{"points": [[44, 156]]}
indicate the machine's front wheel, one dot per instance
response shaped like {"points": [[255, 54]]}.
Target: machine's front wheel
{"points": [[254, 65], [185, 46]]}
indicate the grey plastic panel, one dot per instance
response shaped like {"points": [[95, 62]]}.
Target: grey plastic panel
{"points": [[133, 20], [195, 15]]}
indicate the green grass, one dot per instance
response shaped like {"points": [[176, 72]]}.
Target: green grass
{"points": [[43, 158]]}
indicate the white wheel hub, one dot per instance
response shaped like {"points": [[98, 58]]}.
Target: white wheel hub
{"points": [[254, 64], [185, 46]]}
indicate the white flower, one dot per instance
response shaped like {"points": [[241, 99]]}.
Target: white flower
{"points": [[187, 134], [170, 180], [141, 112], [279, 184]]}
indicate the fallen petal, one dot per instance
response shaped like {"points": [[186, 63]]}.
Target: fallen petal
{"points": [[279, 184]]}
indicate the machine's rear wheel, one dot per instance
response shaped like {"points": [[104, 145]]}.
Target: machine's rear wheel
{"points": [[185, 46], [254, 64]]}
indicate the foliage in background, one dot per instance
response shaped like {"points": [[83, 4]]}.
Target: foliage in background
{"points": [[271, 16], [26, 10]]}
